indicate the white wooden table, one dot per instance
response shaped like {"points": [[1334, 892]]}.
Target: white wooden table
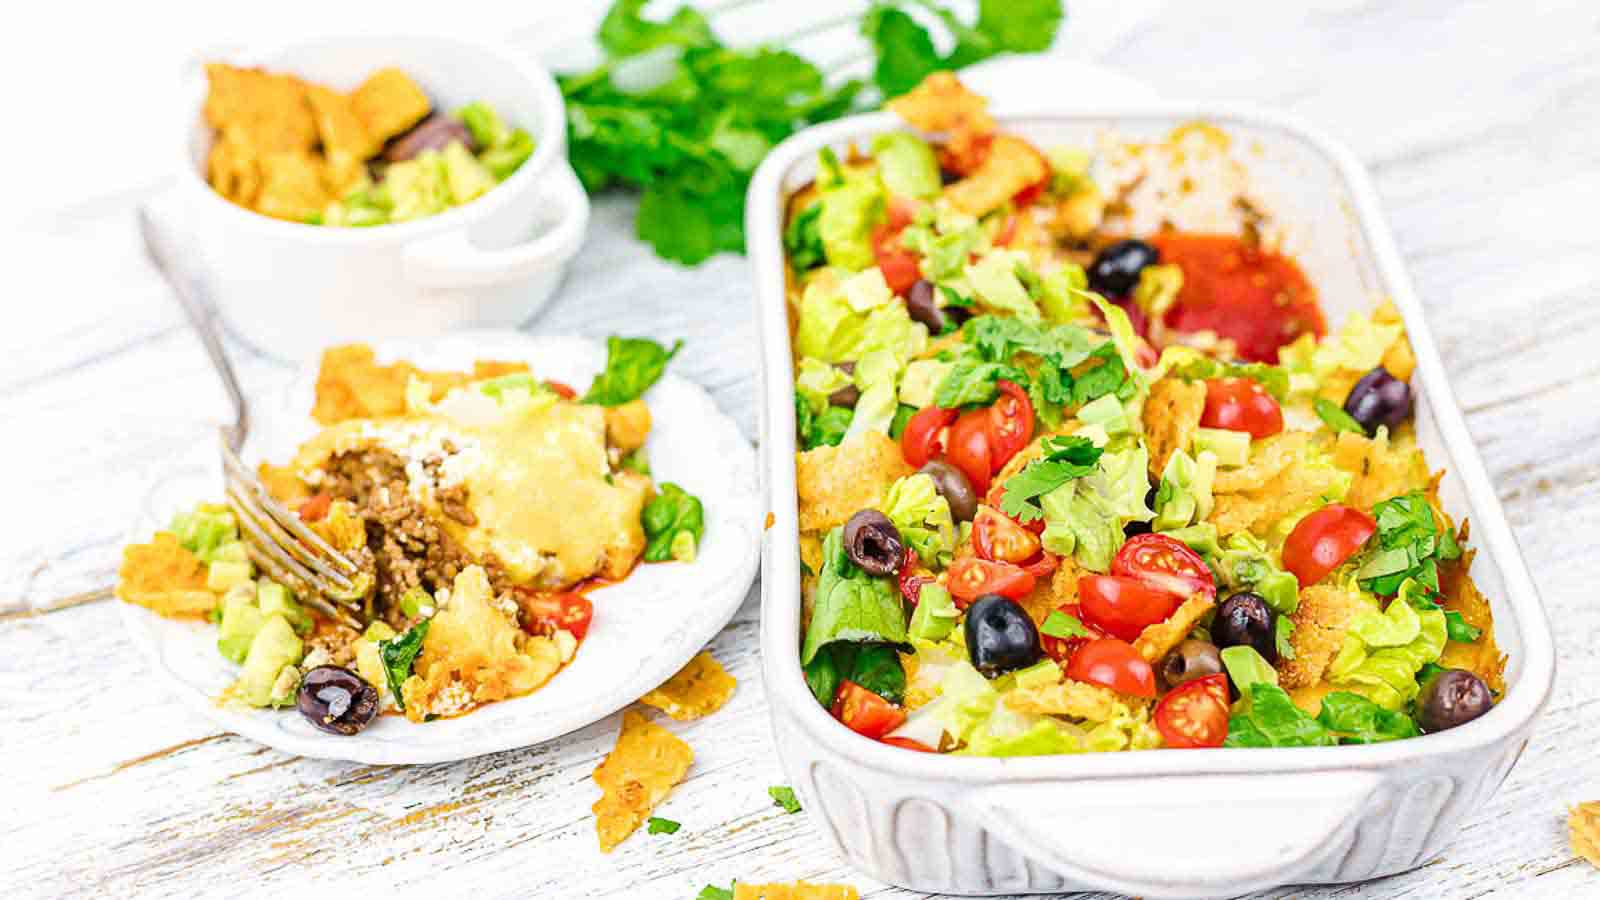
{"points": [[1479, 121]]}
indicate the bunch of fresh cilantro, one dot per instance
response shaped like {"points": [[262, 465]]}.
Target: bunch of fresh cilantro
{"points": [[675, 112]]}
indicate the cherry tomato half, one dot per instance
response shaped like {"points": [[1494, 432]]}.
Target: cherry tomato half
{"points": [[920, 441], [908, 744], [1323, 540], [900, 266], [547, 612], [971, 578], [864, 712], [996, 537], [1122, 606], [1241, 404], [1114, 664], [1195, 714], [564, 391], [997, 495], [969, 449], [1061, 649], [1010, 424], [1165, 563], [911, 580]]}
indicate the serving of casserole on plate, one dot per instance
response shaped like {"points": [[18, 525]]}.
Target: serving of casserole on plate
{"points": [[1119, 431], [545, 532]]}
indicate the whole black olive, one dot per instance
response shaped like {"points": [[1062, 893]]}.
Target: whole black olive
{"points": [[873, 543], [922, 302], [1001, 636], [1450, 698], [1116, 267], [1245, 618], [1190, 660], [336, 700], [433, 133], [954, 487], [1379, 399]]}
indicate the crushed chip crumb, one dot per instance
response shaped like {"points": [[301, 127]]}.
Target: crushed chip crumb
{"points": [[1583, 829], [799, 890]]}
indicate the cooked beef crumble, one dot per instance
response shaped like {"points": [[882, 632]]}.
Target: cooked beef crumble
{"points": [[409, 547]]}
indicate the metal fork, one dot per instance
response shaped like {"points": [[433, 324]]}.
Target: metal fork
{"points": [[275, 539]]}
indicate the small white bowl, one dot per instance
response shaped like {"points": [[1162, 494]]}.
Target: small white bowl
{"points": [[291, 289]]}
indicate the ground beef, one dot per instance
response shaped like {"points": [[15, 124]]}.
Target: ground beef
{"points": [[409, 547]]}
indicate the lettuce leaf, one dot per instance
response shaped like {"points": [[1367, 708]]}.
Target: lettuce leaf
{"points": [[995, 282], [851, 605], [1374, 663], [1085, 517], [922, 515], [843, 321], [1271, 719]]}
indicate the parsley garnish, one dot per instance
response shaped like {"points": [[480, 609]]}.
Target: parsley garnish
{"points": [[783, 797], [632, 366], [397, 656], [1063, 625], [1410, 544], [1064, 459], [662, 826], [1334, 416]]}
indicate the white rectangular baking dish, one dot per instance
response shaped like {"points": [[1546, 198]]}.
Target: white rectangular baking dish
{"points": [[1168, 823]]}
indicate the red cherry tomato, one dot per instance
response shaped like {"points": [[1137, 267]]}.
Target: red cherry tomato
{"points": [[997, 494], [1061, 649], [1241, 404], [920, 441], [563, 391], [1122, 606], [1042, 566], [1323, 540], [996, 537], [900, 266], [1114, 664], [911, 580], [1165, 563], [547, 612], [864, 712], [1195, 714], [968, 448], [971, 578], [1008, 229], [315, 508], [1010, 424], [909, 744]]}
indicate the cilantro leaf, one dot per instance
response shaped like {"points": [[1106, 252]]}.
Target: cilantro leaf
{"points": [[1457, 628], [906, 52], [974, 383], [632, 366], [1063, 625], [712, 892], [783, 797], [397, 655], [625, 31], [1334, 416], [662, 826], [1064, 459], [1110, 376], [1282, 630], [904, 49], [1409, 544]]}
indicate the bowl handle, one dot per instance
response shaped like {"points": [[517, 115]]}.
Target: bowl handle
{"points": [[451, 260], [1182, 835]]}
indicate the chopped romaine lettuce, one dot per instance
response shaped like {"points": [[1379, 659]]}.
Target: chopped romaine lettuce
{"points": [[907, 165], [851, 605], [922, 515], [1372, 664], [1085, 517], [841, 322], [994, 280]]}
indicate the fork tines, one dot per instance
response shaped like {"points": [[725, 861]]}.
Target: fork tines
{"points": [[283, 547]]}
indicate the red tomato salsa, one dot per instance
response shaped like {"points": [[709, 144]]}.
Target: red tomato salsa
{"points": [[1259, 299]]}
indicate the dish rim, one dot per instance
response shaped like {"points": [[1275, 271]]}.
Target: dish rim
{"points": [[780, 606], [265, 726]]}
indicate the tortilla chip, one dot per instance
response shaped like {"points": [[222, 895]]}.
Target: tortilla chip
{"points": [[1583, 831], [800, 890], [263, 112], [389, 102], [1010, 166], [1157, 640], [351, 384], [1077, 699], [698, 690], [1381, 467], [164, 577], [1251, 499], [283, 483], [636, 776], [1320, 621], [835, 482], [344, 136], [1171, 416], [234, 171], [292, 186], [628, 425], [1460, 593]]}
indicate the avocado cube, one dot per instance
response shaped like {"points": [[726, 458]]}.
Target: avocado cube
{"points": [[241, 619], [275, 646], [224, 574], [274, 598]]}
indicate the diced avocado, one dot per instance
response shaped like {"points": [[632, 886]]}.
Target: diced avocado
{"points": [[414, 603], [274, 647], [273, 597], [684, 545], [224, 574], [241, 619], [1042, 673], [503, 159], [369, 665], [936, 614], [907, 165], [417, 187], [850, 211], [204, 528], [1200, 537], [1231, 447], [229, 551], [285, 686], [485, 125], [468, 179], [1246, 666], [1281, 590]]}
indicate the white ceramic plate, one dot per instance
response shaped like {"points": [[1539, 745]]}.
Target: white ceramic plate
{"points": [[645, 628]]}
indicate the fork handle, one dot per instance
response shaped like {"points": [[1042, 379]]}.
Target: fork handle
{"points": [[202, 316]]}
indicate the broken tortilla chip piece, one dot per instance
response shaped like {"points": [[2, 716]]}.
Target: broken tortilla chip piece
{"points": [[699, 689], [292, 186], [344, 136], [389, 102], [262, 111], [1583, 831], [636, 776], [164, 577], [800, 890], [352, 384]]}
